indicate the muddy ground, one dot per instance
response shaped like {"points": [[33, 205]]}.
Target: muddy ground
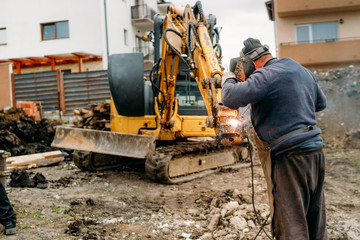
{"points": [[125, 204]]}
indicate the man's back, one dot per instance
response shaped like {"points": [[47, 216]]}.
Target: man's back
{"points": [[284, 97]]}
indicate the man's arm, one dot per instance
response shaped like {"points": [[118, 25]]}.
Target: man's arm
{"points": [[239, 94], [320, 99]]}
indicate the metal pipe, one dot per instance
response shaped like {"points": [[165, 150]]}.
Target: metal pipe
{"points": [[106, 32]]}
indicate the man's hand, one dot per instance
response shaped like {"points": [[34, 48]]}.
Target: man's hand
{"points": [[225, 76]]}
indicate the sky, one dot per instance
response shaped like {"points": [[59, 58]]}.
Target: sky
{"points": [[239, 20]]}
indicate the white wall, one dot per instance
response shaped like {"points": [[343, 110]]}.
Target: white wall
{"points": [[22, 19], [119, 18]]}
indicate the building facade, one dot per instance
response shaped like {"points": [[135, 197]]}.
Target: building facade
{"points": [[317, 33], [76, 36]]}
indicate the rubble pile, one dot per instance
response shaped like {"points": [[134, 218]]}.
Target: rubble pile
{"points": [[340, 120], [98, 117], [231, 216], [22, 135], [228, 215], [340, 80]]}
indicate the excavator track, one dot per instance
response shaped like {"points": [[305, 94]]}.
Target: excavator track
{"points": [[90, 161], [187, 161], [173, 163]]}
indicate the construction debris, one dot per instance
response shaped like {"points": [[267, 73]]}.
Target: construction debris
{"points": [[20, 134], [20, 178], [31, 109], [97, 117], [34, 160], [340, 120]]}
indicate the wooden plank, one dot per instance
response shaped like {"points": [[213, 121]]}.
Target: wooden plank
{"points": [[82, 99], [80, 64], [45, 98], [61, 93], [85, 85], [38, 80], [18, 68], [43, 89], [70, 76], [76, 91], [20, 77], [13, 90], [35, 160], [86, 94], [39, 94], [87, 80], [37, 86], [47, 102], [53, 62]]}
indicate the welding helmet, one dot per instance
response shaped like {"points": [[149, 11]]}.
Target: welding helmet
{"points": [[242, 67]]}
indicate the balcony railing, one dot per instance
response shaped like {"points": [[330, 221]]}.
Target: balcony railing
{"points": [[319, 41], [142, 11], [142, 16], [326, 53], [148, 53]]}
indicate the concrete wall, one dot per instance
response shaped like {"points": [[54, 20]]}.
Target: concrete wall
{"points": [[5, 85]]}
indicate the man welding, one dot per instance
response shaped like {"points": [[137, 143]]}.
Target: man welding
{"points": [[284, 97]]}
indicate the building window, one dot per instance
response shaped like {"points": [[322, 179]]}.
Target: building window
{"points": [[55, 30], [126, 41], [317, 32], [3, 36]]}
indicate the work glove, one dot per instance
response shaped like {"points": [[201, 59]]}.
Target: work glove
{"points": [[225, 76]]}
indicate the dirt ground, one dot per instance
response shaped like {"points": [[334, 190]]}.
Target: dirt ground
{"points": [[125, 204]]}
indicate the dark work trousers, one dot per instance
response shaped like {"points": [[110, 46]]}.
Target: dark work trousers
{"points": [[299, 203], [7, 215]]}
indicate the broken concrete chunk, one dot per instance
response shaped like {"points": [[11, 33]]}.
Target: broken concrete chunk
{"points": [[214, 222], [238, 223]]}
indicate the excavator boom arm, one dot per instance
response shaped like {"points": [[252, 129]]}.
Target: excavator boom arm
{"points": [[186, 38]]}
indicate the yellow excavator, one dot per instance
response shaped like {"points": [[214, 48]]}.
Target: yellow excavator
{"points": [[161, 118]]}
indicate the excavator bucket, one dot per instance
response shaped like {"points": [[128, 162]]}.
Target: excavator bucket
{"points": [[111, 143]]}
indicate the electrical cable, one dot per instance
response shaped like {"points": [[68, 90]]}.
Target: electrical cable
{"points": [[166, 79], [253, 199], [172, 47], [191, 28], [154, 76]]}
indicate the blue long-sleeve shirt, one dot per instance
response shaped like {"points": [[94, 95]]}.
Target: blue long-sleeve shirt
{"points": [[284, 96]]}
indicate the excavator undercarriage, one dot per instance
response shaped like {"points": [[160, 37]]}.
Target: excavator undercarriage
{"points": [[172, 164], [186, 161]]}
